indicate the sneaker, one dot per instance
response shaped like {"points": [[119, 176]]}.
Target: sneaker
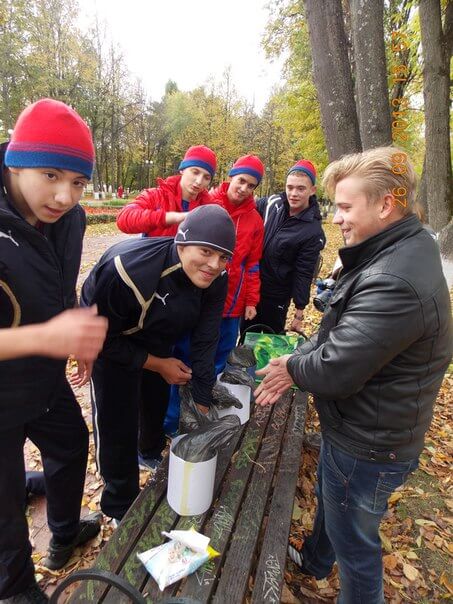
{"points": [[32, 595], [295, 555], [58, 555], [148, 463]]}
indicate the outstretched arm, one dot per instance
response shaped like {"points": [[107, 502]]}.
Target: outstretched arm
{"points": [[79, 332]]}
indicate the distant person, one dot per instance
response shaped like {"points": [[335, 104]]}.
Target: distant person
{"points": [[120, 192], [47, 165], [153, 291], [293, 240], [157, 212]]}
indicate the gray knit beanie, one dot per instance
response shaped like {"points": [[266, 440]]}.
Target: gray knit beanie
{"points": [[208, 226]]}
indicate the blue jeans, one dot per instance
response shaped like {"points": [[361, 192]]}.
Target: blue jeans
{"points": [[352, 498]]}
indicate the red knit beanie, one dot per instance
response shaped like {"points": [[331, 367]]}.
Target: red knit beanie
{"points": [[49, 134], [248, 164], [306, 167], [201, 157]]}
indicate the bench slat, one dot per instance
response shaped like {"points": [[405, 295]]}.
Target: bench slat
{"points": [[234, 579], [269, 576]]}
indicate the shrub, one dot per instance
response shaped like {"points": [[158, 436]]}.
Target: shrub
{"points": [[115, 203], [99, 218]]}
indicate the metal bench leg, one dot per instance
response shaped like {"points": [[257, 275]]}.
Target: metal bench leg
{"points": [[105, 576]]}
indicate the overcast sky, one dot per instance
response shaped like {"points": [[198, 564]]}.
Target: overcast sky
{"points": [[189, 41]]}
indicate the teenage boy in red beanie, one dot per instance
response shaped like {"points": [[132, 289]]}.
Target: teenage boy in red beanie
{"points": [[157, 212], [45, 169], [236, 196], [293, 239]]}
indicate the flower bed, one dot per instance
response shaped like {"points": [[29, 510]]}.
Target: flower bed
{"points": [[101, 210]]}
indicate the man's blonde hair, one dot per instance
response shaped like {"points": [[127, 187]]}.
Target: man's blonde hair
{"points": [[379, 168]]}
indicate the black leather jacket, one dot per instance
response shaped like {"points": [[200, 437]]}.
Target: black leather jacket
{"points": [[383, 346]]}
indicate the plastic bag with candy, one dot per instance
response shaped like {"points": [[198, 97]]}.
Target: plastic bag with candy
{"points": [[182, 555]]}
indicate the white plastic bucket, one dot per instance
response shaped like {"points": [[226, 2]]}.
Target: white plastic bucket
{"points": [[190, 485], [241, 392]]}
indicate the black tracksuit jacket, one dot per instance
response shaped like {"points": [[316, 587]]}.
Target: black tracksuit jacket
{"points": [[38, 273], [150, 303], [291, 249]]}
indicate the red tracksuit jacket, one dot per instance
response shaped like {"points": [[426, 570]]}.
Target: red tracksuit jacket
{"points": [[146, 214], [243, 269]]}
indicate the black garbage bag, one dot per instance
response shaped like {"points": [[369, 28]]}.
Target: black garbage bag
{"points": [[190, 417], [222, 397], [202, 443], [242, 356], [234, 375]]}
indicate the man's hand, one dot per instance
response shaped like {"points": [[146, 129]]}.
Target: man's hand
{"points": [[296, 324], [82, 374], [172, 370], [174, 217], [79, 332], [276, 381], [250, 313]]}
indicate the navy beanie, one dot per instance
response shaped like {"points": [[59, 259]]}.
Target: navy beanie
{"points": [[209, 226]]}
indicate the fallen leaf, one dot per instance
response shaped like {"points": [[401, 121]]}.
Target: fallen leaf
{"points": [[390, 561], [394, 497], [288, 597], [423, 522], [443, 580], [410, 572], [297, 512], [387, 544]]}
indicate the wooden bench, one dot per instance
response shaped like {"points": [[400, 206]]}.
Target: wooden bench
{"points": [[248, 522]]}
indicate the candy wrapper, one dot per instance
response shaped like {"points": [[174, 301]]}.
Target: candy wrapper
{"points": [[182, 555]]}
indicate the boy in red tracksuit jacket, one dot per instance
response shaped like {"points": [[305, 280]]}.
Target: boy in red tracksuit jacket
{"points": [[236, 196], [158, 212]]}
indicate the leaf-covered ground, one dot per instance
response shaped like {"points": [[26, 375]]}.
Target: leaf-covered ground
{"points": [[416, 533]]}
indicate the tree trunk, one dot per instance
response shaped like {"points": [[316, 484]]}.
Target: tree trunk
{"points": [[422, 197], [332, 77], [436, 81], [371, 72]]}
